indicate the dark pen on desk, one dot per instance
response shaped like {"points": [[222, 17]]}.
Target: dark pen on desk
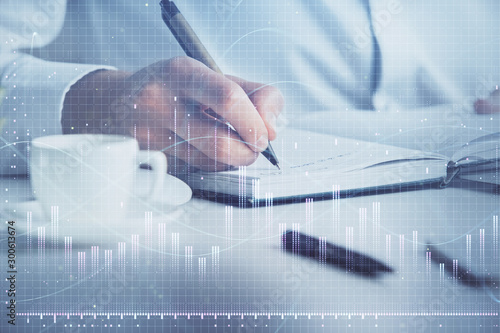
{"points": [[461, 274], [331, 254], [192, 46]]}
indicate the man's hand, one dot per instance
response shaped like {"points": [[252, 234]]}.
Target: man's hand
{"points": [[488, 105], [161, 105]]}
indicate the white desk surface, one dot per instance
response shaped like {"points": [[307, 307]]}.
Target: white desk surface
{"points": [[251, 282]]}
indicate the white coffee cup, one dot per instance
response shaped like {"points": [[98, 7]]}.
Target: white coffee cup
{"points": [[91, 178]]}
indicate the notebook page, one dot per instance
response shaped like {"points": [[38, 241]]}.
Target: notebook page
{"points": [[313, 163]]}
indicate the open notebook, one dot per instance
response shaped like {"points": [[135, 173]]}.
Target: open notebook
{"points": [[325, 167]]}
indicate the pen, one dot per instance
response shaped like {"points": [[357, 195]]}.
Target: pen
{"points": [[192, 46], [462, 274], [338, 256]]}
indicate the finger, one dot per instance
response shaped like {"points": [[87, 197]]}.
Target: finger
{"points": [[187, 157], [215, 140], [181, 155], [193, 80], [267, 99], [207, 135], [201, 136]]}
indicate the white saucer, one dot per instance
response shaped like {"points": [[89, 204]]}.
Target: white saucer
{"points": [[174, 191], [164, 208]]}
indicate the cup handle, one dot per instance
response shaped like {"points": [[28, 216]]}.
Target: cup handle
{"points": [[158, 162]]}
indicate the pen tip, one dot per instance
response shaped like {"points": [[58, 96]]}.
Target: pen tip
{"points": [[278, 166]]}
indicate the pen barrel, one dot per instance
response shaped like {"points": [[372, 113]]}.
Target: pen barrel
{"points": [[185, 35]]}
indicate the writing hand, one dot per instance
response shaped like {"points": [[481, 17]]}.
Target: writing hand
{"points": [[161, 106]]}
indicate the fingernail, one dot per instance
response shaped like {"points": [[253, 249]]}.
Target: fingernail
{"points": [[262, 142]]}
